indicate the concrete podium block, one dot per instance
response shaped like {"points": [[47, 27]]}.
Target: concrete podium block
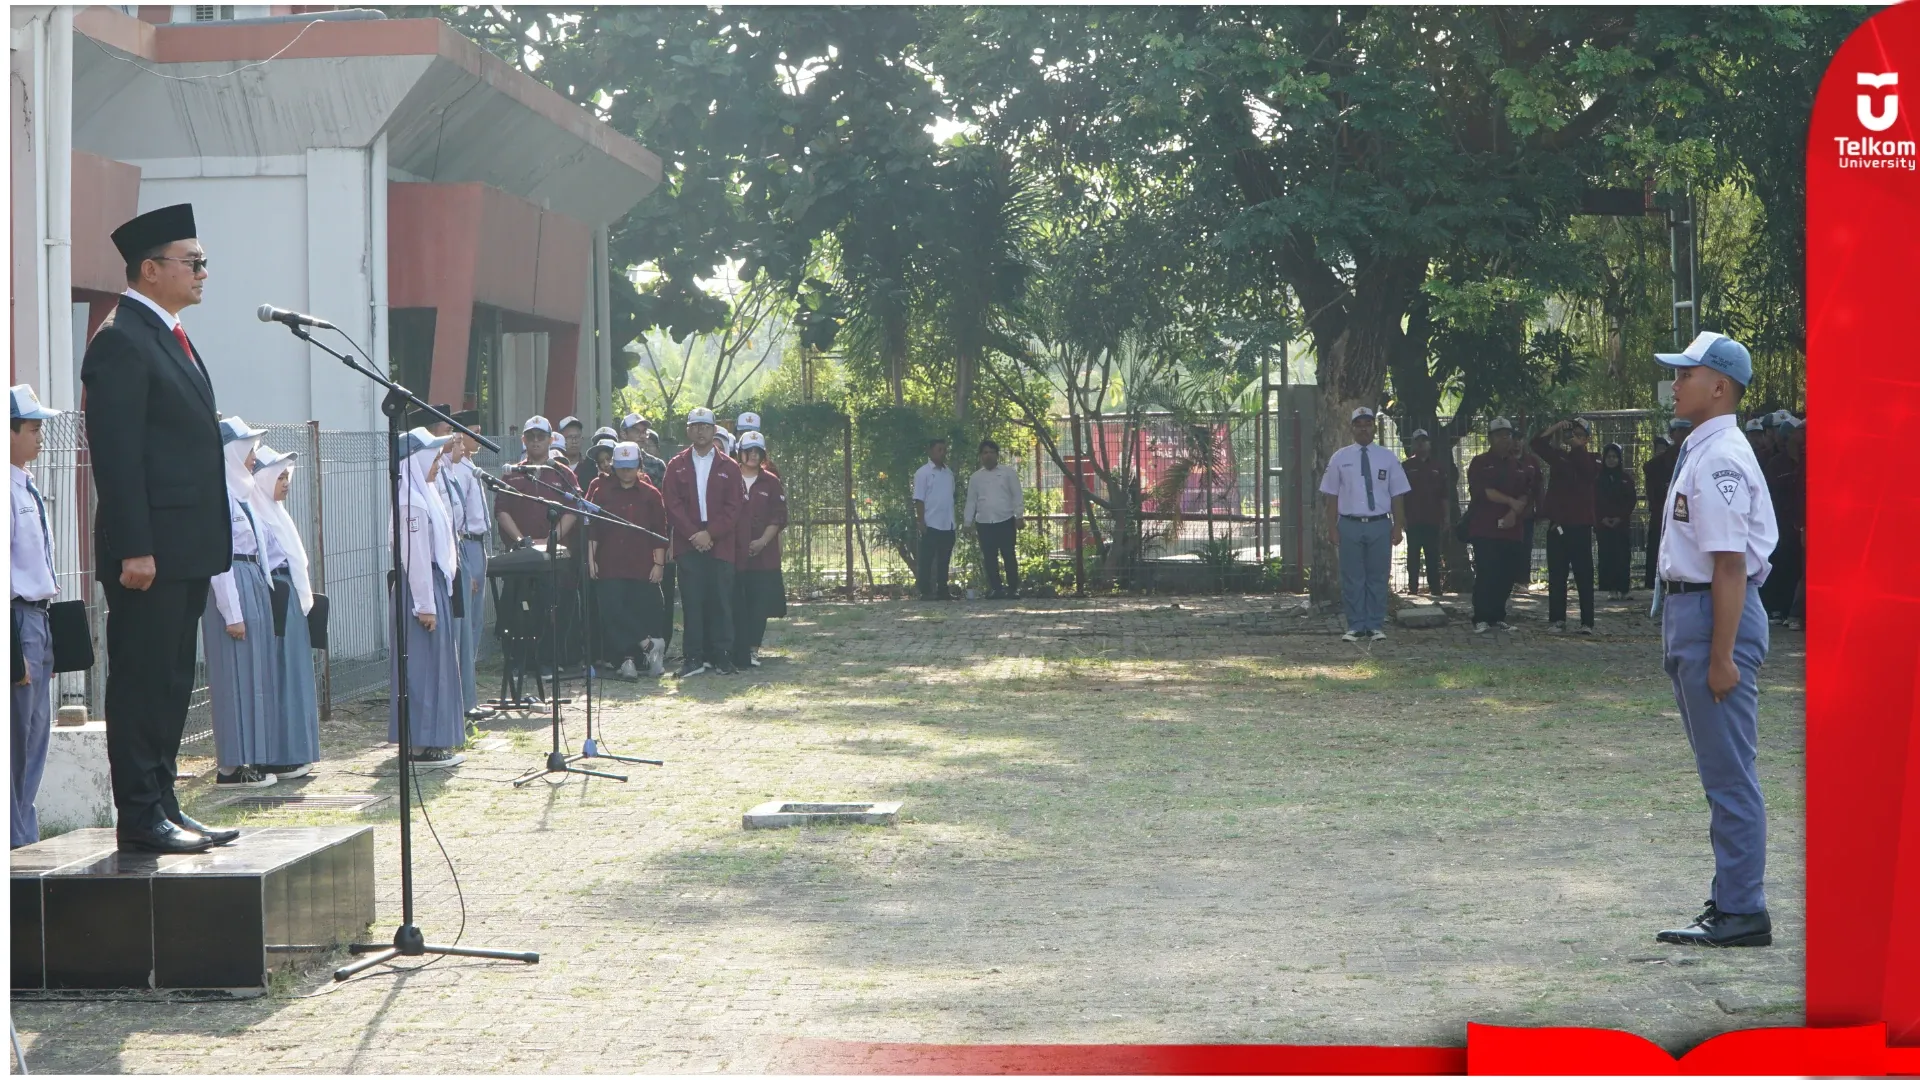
{"points": [[781, 814], [1418, 612], [77, 789]]}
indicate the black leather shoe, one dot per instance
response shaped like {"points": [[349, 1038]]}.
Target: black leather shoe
{"points": [[218, 836], [1722, 929], [165, 838]]}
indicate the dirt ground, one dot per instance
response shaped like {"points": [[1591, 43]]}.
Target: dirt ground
{"points": [[1128, 820]]}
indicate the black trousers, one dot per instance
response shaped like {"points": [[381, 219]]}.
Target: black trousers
{"points": [[629, 610], [669, 579], [1569, 548], [935, 562], [1789, 565], [151, 635], [996, 543], [1615, 570], [707, 595], [1497, 565], [1423, 541], [760, 595]]}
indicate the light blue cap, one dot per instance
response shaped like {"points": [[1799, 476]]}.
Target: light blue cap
{"points": [[1716, 351], [26, 405], [265, 457], [233, 429], [421, 439]]}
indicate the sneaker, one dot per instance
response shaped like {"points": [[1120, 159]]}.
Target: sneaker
{"points": [[656, 657], [1586, 631], [246, 776], [1557, 628], [1351, 635], [689, 669], [627, 670], [1502, 626], [1796, 624], [437, 757], [289, 772], [725, 667], [1379, 635], [753, 658], [1481, 628]]}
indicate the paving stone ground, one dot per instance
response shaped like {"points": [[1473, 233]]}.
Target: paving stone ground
{"points": [[1126, 820]]}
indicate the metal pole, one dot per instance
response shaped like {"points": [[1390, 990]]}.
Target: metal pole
{"points": [[318, 564], [1299, 510], [847, 475], [1079, 498]]}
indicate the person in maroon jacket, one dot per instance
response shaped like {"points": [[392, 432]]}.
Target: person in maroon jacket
{"points": [[1657, 473], [1786, 484], [626, 565], [704, 496], [763, 593], [1568, 508], [521, 521], [1427, 504], [1613, 496], [1501, 482]]}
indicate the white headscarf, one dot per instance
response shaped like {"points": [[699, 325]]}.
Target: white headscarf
{"points": [[416, 491], [273, 515], [240, 486]]}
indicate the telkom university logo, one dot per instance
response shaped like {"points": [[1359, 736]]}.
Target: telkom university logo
{"points": [[1882, 118]]}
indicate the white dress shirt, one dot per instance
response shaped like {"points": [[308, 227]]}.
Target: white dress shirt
{"points": [[1718, 502], [933, 489], [701, 467], [993, 496], [226, 594], [32, 570], [1347, 479], [165, 316], [473, 518]]}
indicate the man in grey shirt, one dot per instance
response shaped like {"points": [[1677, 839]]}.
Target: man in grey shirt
{"points": [[933, 515], [997, 510]]}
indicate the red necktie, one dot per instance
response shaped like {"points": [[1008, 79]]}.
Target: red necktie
{"points": [[180, 332]]}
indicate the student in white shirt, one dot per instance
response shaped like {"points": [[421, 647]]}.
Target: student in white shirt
{"points": [[293, 735], [31, 572], [997, 510], [933, 515], [429, 564], [1366, 489], [236, 630], [1719, 532]]}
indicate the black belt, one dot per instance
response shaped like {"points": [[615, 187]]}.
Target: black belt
{"points": [[473, 536], [1366, 517], [246, 558], [1678, 587], [41, 604]]}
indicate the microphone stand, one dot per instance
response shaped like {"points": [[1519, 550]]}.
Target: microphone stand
{"points": [[557, 761], [407, 940]]}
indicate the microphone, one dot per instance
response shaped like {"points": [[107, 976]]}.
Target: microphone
{"points": [[269, 313]]}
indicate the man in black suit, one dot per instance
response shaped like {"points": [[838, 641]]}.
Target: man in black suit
{"points": [[162, 531]]}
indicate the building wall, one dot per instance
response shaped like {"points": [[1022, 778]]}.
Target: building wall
{"points": [[295, 241]]}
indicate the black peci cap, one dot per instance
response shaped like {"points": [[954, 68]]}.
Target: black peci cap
{"points": [[154, 229], [467, 417]]}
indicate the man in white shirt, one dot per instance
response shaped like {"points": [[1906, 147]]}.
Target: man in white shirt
{"points": [[1366, 489], [33, 588], [996, 509], [933, 516], [705, 497], [1719, 532]]}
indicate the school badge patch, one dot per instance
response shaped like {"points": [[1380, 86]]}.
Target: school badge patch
{"points": [[1680, 508]]}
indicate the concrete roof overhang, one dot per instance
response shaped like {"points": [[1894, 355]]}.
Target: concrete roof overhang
{"points": [[451, 111]]}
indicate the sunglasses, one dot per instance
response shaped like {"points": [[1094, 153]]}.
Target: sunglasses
{"points": [[198, 263]]}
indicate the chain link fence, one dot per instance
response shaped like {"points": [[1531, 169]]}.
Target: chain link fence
{"points": [[337, 499]]}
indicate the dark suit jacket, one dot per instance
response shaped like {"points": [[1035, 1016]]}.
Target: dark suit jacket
{"points": [[154, 441], [726, 498]]}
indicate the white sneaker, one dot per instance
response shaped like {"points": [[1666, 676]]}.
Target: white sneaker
{"points": [[295, 772], [1379, 635], [753, 657], [656, 657], [1587, 630], [1351, 635], [1481, 628], [1503, 626], [627, 670], [1557, 628]]}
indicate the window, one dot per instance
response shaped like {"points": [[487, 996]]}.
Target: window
{"points": [[212, 12]]}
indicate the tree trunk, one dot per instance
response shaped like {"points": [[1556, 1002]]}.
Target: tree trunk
{"points": [[963, 367]]}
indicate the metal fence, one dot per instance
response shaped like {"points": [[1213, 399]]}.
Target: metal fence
{"points": [[338, 502]]}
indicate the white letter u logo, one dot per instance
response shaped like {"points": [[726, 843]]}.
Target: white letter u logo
{"points": [[1863, 104]]}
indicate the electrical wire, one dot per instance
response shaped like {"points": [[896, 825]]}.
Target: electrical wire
{"points": [[220, 75]]}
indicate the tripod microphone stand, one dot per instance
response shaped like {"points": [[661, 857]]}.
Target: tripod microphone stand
{"points": [[407, 939], [557, 760]]}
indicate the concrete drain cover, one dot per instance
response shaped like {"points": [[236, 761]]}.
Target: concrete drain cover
{"points": [[779, 814]]}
